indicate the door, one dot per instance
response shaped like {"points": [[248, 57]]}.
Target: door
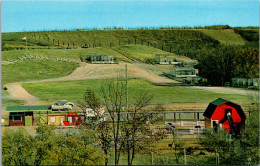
{"points": [[61, 122]]}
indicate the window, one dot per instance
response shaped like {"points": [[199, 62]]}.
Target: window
{"points": [[17, 118], [53, 119]]}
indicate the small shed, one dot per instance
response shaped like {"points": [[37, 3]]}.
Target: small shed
{"points": [[103, 59], [166, 59], [184, 72], [225, 114], [23, 115], [69, 119]]}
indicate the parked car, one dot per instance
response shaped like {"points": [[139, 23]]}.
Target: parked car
{"points": [[62, 105]]}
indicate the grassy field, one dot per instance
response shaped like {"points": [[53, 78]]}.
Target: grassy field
{"points": [[73, 91], [227, 36]]}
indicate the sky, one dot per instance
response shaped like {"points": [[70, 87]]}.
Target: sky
{"points": [[38, 15]]}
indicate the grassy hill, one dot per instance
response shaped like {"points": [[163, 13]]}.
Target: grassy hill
{"points": [[103, 38], [34, 64], [185, 42]]}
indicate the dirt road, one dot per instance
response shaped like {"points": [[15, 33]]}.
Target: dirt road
{"points": [[102, 71], [88, 71]]}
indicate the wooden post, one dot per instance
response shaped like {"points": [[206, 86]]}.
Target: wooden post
{"points": [[152, 158], [184, 157]]}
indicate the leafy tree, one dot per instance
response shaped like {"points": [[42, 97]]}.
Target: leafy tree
{"points": [[17, 147], [43, 143]]}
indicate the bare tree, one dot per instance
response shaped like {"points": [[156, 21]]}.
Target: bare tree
{"points": [[125, 136]]}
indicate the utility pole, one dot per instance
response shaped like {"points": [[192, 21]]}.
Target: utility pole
{"points": [[126, 86]]}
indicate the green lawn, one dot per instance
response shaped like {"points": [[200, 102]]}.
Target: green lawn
{"points": [[73, 91], [35, 69]]}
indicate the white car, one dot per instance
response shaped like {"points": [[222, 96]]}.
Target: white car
{"points": [[62, 105]]}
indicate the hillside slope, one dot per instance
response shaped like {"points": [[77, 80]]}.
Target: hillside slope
{"points": [[75, 39]]}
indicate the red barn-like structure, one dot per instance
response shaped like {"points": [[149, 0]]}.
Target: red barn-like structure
{"points": [[226, 114]]}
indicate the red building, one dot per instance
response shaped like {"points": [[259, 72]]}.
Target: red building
{"points": [[225, 114]]}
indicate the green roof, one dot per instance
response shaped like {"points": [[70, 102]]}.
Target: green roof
{"points": [[28, 108], [219, 101]]}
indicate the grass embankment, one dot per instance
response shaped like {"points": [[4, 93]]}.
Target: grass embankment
{"points": [[143, 53], [73, 91], [228, 36]]}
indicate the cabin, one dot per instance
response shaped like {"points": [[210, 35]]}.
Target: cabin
{"points": [[184, 72], [24, 115], [166, 60], [101, 59], [245, 82], [225, 114]]}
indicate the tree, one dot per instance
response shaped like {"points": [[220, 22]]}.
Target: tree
{"points": [[17, 147], [50, 148], [43, 143]]}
